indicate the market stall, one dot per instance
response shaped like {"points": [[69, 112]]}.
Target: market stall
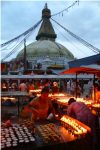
{"points": [[94, 105], [15, 96], [82, 70]]}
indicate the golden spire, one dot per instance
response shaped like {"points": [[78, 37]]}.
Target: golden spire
{"points": [[46, 31]]}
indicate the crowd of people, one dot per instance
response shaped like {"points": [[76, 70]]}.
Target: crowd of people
{"points": [[42, 108], [84, 88]]}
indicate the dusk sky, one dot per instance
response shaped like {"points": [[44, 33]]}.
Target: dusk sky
{"points": [[83, 20]]}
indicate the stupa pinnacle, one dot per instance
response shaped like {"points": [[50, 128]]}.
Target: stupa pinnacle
{"points": [[46, 31]]}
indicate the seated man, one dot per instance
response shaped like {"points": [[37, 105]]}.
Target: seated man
{"points": [[41, 107], [55, 88], [80, 111]]}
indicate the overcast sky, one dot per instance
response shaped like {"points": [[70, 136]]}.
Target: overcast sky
{"points": [[82, 19]]}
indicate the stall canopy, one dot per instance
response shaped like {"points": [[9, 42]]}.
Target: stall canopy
{"points": [[79, 70], [93, 66]]}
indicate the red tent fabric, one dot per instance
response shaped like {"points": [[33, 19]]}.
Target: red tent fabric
{"points": [[3, 67], [79, 70]]}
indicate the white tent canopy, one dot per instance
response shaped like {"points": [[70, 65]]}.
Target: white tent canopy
{"points": [[93, 66]]}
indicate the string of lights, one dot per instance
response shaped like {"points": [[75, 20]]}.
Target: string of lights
{"points": [[23, 34], [66, 9], [71, 42], [90, 46], [21, 42], [10, 46]]}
